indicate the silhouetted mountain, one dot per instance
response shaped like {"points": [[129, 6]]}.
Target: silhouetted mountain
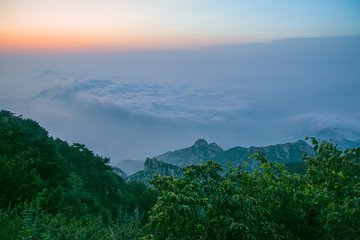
{"points": [[154, 167]]}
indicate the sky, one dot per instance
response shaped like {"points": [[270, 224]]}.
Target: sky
{"points": [[135, 79], [108, 25]]}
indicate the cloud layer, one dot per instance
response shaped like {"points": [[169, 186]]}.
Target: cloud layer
{"points": [[141, 104]]}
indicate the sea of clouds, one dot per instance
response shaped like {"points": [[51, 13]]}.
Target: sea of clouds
{"points": [[141, 104]]}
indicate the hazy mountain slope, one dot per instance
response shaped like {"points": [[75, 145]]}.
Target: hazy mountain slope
{"points": [[345, 143], [130, 166], [119, 172]]}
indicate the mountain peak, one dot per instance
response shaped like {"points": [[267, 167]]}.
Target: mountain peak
{"points": [[201, 143], [215, 147], [198, 153]]}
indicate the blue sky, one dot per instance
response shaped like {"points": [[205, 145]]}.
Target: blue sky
{"points": [[112, 25]]}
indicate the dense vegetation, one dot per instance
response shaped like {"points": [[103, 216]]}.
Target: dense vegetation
{"points": [[52, 190], [271, 203]]}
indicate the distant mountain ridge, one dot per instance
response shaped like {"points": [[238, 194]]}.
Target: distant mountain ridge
{"points": [[201, 151], [281, 153], [345, 143], [170, 163], [154, 167], [197, 154]]}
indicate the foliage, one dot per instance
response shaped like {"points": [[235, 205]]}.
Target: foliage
{"points": [[29, 221], [333, 190], [296, 167], [52, 190], [68, 183], [271, 202]]}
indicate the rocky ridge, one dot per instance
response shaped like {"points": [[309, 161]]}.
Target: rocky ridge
{"points": [[197, 154], [154, 167], [170, 163], [281, 153], [201, 151]]}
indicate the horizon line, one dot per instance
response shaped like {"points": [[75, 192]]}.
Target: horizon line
{"points": [[100, 49]]}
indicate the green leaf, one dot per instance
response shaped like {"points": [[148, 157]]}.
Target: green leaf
{"points": [[357, 152], [253, 155]]}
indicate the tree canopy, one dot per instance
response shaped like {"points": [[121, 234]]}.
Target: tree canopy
{"points": [[212, 203], [41, 175], [50, 189]]}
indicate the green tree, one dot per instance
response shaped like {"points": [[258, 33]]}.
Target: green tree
{"points": [[333, 190], [206, 204], [272, 203]]}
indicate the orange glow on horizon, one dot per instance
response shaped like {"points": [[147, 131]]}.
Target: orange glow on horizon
{"points": [[117, 25], [25, 42], [59, 43]]}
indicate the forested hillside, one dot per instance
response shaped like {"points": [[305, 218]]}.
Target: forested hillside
{"points": [[52, 190], [47, 177]]}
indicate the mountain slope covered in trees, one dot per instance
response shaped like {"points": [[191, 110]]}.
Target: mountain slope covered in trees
{"points": [[52, 190], [49, 174]]}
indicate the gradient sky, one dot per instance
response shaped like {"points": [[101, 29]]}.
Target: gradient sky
{"points": [[107, 25], [134, 79]]}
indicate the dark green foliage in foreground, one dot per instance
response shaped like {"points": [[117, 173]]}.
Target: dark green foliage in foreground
{"points": [[47, 185], [296, 167], [272, 203], [52, 190], [29, 221]]}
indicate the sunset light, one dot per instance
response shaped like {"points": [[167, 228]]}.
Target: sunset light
{"points": [[180, 119], [109, 25]]}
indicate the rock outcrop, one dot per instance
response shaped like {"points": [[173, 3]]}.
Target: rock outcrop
{"points": [[201, 151], [168, 164], [197, 154], [154, 167]]}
